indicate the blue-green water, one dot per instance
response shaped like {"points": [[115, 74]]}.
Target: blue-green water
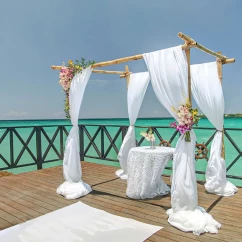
{"points": [[166, 133], [228, 122]]}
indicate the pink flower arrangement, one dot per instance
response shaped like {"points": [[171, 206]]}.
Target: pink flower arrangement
{"points": [[66, 75], [186, 117]]}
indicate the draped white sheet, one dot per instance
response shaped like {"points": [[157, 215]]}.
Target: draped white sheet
{"points": [[168, 73], [136, 90], [74, 187], [208, 94], [79, 223]]}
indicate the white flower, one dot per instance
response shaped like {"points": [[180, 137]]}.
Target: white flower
{"points": [[189, 115], [152, 137]]}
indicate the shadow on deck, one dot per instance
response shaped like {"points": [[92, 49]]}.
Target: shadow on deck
{"points": [[29, 195]]}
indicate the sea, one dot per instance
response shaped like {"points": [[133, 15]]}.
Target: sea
{"points": [[24, 128]]}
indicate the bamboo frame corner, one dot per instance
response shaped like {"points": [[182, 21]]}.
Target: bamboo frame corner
{"points": [[191, 43]]}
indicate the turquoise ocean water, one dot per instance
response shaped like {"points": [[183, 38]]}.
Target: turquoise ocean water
{"points": [[166, 133]]}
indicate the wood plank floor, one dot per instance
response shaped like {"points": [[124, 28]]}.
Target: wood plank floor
{"points": [[29, 195]]}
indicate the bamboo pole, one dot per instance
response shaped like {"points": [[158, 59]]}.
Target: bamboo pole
{"points": [[193, 43], [108, 72], [220, 75], [229, 61], [109, 63], [95, 71], [189, 74], [127, 75]]}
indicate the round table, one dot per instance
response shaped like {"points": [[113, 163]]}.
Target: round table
{"points": [[145, 167]]}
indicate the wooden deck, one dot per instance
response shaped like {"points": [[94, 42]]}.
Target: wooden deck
{"points": [[29, 195]]}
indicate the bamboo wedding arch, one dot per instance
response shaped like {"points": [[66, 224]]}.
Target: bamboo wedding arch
{"points": [[189, 43]]}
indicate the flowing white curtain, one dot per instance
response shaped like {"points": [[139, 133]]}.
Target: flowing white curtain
{"points": [[136, 90], [169, 78], [74, 187], [208, 94]]}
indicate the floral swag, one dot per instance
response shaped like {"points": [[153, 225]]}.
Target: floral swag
{"points": [[66, 75]]}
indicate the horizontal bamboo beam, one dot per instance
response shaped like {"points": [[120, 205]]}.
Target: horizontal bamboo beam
{"points": [[56, 67], [118, 61], [109, 72], [95, 71], [229, 61], [192, 43], [122, 76], [109, 63]]}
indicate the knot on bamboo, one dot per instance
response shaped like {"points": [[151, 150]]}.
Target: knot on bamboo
{"points": [[189, 45], [222, 61]]}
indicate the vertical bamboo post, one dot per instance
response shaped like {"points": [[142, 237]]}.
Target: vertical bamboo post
{"points": [[220, 75], [189, 74], [127, 74]]}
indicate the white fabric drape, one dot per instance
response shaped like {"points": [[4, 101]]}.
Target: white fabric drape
{"points": [[169, 78], [136, 90], [74, 187], [208, 94]]}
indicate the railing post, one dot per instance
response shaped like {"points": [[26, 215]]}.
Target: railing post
{"points": [[61, 143], [11, 147], [102, 142], [223, 146], [38, 148], [81, 138], [123, 132]]}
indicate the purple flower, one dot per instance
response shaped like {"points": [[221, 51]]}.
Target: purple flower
{"points": [[173, 125], [183, 128]]}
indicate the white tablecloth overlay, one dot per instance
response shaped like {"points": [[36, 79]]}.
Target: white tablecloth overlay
{"points": [[145, 167]]}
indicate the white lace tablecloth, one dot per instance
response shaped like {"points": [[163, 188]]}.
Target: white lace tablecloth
{"points": [[145, 167]]}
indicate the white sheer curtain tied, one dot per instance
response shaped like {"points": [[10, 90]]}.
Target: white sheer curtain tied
{"points": [[169, 78], [208, 94], [136, 90], [74, 187]]}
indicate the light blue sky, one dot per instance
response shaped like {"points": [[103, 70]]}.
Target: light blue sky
{"points": [[36, 34]]}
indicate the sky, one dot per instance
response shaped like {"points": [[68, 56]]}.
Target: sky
{"points": [[37, 34]]}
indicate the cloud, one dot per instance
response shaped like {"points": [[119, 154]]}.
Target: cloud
{"points": [[59, 113], [15, 114]]}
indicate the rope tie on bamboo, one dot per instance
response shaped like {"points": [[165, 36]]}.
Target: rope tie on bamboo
{"points": [[220, 131]]}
